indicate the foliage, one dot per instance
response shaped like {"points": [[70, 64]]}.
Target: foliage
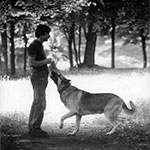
{"points": [[135, 17], [73, 18]]}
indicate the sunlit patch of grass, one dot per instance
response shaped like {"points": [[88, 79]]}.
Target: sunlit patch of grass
{"points": [[129, 84], [143, 114], [138, 121], [100, 69]]}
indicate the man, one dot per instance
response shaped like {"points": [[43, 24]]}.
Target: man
{"points": [[39, 80]]}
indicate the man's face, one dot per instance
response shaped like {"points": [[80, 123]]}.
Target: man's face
{"points": [[45, 36]]}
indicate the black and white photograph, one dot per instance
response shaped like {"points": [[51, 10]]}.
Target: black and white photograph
{"points": [[74, 75]]}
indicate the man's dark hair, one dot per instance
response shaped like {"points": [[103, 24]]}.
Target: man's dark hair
{"points": [[41, 30]]}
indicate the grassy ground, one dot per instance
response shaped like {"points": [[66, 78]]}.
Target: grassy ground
{"points": [[133, 132], [91, 137]]}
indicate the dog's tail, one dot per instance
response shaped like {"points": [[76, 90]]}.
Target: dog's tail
{"points": [[129, 111]]}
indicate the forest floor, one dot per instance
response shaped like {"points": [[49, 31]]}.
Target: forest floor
{"points": [[90, 138]]}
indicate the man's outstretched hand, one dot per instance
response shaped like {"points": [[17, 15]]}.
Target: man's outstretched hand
{"points": [[52, 67]]}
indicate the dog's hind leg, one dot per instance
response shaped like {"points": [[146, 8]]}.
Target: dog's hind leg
{"points": [[77, 127], [69, 114], [115, 125], [112, 115]]}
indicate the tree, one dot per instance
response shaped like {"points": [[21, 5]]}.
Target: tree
{"points": [[65, 15], [7, 7], [25, 47], [4, 48], [13, 12], [141, 25], [91, 37], [111, 14], [74, 18], [12, 47], [135, 26]]}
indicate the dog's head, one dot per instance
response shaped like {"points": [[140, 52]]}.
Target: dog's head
{"points": [[59, 80]]}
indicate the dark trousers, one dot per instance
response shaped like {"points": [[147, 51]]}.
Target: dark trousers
{"points": [[39, 82]]}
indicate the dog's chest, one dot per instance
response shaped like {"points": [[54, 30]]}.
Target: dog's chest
{"points": [[71, 97]]}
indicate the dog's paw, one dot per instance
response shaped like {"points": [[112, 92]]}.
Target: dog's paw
{"points": [[110, 132], [74, 133]]}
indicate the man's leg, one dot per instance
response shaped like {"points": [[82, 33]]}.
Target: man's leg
{"points": [[37, 109]]}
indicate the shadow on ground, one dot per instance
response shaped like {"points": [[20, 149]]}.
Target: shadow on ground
{"points": [[91, 139]]}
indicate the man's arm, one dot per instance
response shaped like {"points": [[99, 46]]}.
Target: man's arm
{"points": [[34, 63]]}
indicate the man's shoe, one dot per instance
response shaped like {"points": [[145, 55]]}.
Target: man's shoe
{"points": [[38, 133], [41, 131]]}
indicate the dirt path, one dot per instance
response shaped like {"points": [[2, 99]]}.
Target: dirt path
{"points": [[90, 138]]}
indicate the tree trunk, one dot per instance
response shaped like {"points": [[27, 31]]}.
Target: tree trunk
{"points": [[69, 38], [74, 43], [70, 53], [12, 48], [70, 41], [113, 44], [75, 50], [79, 45], [143, 39], [89, 56], [25, 48], [4, 47]]}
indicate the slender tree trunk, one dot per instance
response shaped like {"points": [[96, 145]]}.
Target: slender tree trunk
{"points": [[113, 44], [75, 50], [143, 39], [74, 43], [12, 48], [85, 32], [70, 42], [4, 47], [25, 48], [79, 45], [70, 53]]}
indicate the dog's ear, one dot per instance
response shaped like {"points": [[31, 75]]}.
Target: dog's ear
{"points": [[53, 73], [69, 80], [54, 77]]}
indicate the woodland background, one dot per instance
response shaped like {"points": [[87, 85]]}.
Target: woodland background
{"points": [[79, 28], [101, 46]]}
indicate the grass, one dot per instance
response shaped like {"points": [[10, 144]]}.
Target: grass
{"points": [[130, 84], [15, 123], [13, 126]]}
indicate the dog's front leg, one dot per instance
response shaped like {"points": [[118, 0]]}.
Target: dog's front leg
{"points": [[69, 114], [77, 127]]}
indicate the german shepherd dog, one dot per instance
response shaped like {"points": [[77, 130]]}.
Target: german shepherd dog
{"points": [[81, 103]]}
